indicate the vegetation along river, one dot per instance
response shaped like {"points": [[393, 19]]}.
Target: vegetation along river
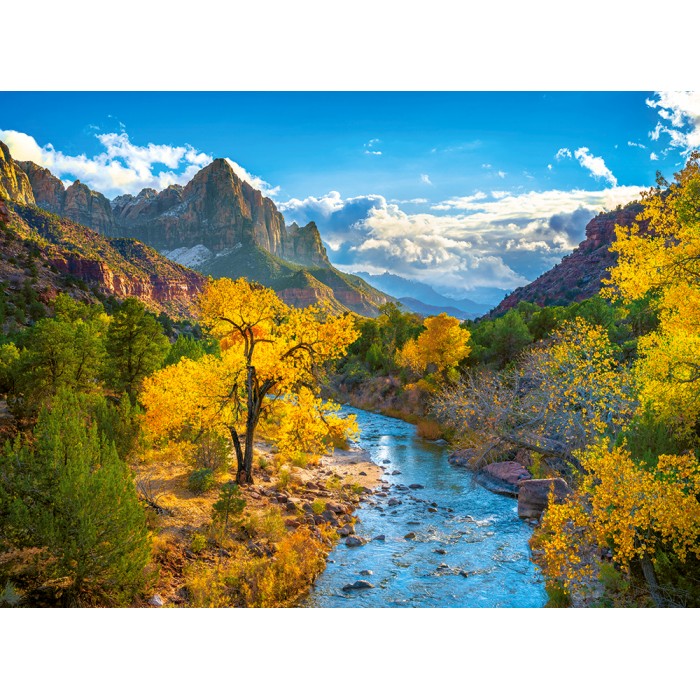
{"points": [[470, 548]]}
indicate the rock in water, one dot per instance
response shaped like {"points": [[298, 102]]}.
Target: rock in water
{"points": [[354, 541], [358, 585]]}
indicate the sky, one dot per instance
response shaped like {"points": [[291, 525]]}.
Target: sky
{"points": [[474, 193]]}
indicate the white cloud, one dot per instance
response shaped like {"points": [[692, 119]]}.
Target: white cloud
{"points": [[425, 179], [501, 174], [653, 156], [370, 147], [122, 166], [562, 153], [682, 111], [632, 144], [595, 164], [253, 180], [498, 240]]}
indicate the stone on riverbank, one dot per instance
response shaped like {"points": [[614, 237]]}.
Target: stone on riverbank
{"points": [[354, 541], [503, 478], [534, 493]]}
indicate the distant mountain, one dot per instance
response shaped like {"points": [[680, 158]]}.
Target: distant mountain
{"points": [[578, 276], [219, 225], [422, 298], [427, 310]]}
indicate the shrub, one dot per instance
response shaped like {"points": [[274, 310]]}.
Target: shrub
{"points": [[284, 478], [318, 506], [198, 543], [428, 429], [200, 480], [267, 524], [211, 452]]}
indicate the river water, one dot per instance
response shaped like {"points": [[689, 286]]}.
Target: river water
{"points": [[483, 558]]}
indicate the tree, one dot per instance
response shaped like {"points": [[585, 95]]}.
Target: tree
{"points": [[136, 346], [269, 353], [73, 500], [659, 260], [558, 399], [635, 509], [441, 346]]}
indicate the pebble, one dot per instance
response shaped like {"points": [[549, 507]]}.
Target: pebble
{"points": [[440, 551], [432, 510], [410, 536]]}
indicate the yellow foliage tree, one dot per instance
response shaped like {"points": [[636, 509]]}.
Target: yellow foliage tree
{"points": [[271, 354], [441, 346], [633, 509], [661, 259]]}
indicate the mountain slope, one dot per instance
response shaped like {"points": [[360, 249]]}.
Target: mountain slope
{"points": [[578, 276], [219, 225]]}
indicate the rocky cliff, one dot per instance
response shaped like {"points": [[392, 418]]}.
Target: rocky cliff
{"points": [[219, 225], [578, 276], [14, 184]]}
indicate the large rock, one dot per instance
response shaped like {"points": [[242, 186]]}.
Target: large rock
{"points": [[534, 494], [503, 478]]}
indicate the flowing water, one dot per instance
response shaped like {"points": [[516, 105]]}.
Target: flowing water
{"points": [[483, 558]]}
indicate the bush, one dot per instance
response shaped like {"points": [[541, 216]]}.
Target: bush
{"points": [[198, 543], [200, 480], [284, 478], [267, 524], [428, 429], [318, 506], [211, 452]]}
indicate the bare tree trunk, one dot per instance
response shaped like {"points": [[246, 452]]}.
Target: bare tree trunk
{"points": [[239, 454], [650, 578]]}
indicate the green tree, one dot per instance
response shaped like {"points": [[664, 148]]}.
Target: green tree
{"points": [[71, 499], [136, 346]]}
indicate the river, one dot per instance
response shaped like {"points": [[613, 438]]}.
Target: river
{"points": [[470, 548]]}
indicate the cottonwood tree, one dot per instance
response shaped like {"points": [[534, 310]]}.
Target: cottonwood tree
{"points": [[440, 347], [270, 353], [558, 399]]}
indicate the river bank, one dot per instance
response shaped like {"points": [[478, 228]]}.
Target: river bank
{"points": [[286, 503]]}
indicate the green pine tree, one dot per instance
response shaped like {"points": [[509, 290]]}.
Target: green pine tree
{"points": [[72, 498], [136, 345]]}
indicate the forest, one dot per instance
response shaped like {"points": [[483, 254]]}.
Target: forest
{"points": [[102, 399]]}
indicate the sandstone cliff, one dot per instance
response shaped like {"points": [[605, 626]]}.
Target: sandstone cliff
{"points": [[14, 184]]}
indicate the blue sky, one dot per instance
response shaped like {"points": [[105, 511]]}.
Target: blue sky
{"points": [[474, 193]]}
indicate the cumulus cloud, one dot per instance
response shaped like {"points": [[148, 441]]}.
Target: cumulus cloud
{"points": [[122, 166], [499, 240], [595, 164], [680, 119]]}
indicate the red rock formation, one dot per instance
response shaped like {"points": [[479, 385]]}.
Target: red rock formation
{"points": [[578, 276], [49, 191]]}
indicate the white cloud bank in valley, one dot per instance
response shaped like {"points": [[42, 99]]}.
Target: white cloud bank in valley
{"points": [[500, 240], [122, 167]]}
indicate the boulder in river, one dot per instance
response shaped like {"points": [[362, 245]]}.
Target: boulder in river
{"points": [[503, 478], [380, 538], [416, 486], [358, 585], [346, 530], [354, 541], [534, 493], [410, 536]]}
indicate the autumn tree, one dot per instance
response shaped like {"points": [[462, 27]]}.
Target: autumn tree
{"points": [[270, 353], [633, 508], [441, 346], [659, 259], [559, 398]]}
